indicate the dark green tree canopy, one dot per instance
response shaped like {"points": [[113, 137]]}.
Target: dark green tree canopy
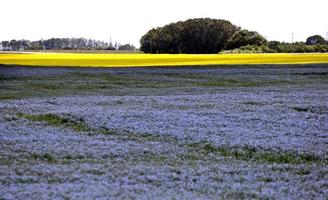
{"points": [[244, 38], [201, 35], [315, 39]]}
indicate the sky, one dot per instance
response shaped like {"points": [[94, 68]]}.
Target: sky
{"points": [[125, 21]]}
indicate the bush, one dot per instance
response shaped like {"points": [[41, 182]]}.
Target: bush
{"points": [[277, 47], [251, 49], [244, 38], [315, 39]]}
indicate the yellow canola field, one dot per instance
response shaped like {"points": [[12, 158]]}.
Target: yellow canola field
{"points": [[131, 60]]}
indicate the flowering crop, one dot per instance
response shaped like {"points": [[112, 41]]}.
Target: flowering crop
{"points": [[131, 60]]}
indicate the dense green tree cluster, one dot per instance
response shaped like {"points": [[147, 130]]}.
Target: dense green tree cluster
{"points": [[61, 44], [300, 47], [202, 35], [244, 38], [278, 47], [315, 39], [205, 35]]}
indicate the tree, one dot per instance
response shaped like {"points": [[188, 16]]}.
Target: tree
{"points": [[274, 44], [244, 38], [200, 35], [315, 39]]}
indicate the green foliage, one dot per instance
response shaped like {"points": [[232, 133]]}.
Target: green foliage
{"points": [[56, 120], [277, 47], [251, 49], [245, 38], [315, 39], [45, 157], [248, 153], [63, 44], [300, 47], [202, 35]]}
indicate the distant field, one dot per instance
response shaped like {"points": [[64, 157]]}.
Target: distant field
{"points": [[85, 51], [129, 60]]}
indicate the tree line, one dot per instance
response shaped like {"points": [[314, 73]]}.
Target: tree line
{"points": [[62, 44], [205, 35]]}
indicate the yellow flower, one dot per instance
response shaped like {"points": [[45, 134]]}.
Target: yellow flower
{"points": [[130, 60]]}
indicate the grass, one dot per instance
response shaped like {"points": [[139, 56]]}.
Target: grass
{"points": [[252, 154], [228, 83], [45, 157], [301, 109], [56, 120], [253, 103], [231, 194], [137, 60]]}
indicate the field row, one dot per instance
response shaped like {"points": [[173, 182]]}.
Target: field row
{"points": [[130, 60]]}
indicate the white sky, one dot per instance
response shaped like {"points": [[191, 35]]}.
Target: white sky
{"points": [[127, 20]]}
